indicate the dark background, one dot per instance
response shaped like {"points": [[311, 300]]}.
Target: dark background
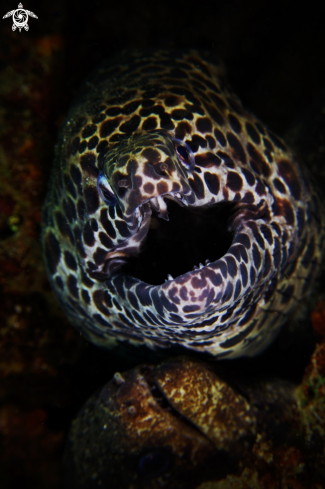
{"points": [[274, 53]]}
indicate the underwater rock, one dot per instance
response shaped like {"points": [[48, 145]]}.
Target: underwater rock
{"points": [[177, 425]]}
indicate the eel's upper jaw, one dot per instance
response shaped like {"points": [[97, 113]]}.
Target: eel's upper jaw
{"points": [[159, 205]]}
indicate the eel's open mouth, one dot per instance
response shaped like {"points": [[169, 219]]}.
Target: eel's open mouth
{"points": [[191, 236]]}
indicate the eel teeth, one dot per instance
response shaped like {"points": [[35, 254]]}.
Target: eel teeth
{"points": [[154, 203], [169, 278], [160, 206], [200, 265], [139, 216], [207, 262], [182, 199], [195, 268]]}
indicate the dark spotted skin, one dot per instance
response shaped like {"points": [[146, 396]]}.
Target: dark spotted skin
{"points": [[124, 124]]}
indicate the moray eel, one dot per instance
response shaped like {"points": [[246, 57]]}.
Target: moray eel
{"points": [[180, 425], [159, 168], [175, 425]]}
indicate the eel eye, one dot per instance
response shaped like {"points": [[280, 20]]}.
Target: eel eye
{"points": [[185, 154], [105, 190]]}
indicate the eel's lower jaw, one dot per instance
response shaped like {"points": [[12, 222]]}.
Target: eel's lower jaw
{"points": [[194, 269]]}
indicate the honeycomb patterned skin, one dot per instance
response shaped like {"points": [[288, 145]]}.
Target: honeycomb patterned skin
{"points": [[156, 138]]}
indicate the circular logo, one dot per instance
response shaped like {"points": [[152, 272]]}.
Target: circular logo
{"points": [[20, 18]]}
